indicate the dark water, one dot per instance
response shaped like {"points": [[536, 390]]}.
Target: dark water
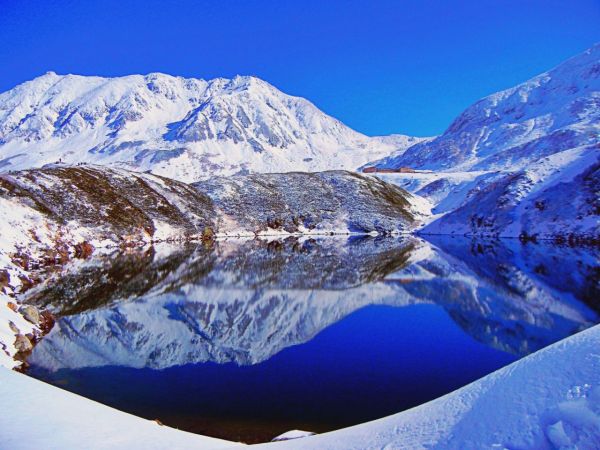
{"points": [[247, 340]]}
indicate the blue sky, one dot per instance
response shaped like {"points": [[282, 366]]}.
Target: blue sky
{"points": [[379, 66]]}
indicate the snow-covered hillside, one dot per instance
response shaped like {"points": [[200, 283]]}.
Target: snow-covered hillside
{"points": [[185, 129], [337, 201], [557, 197], [523, 161], [509, 130]]}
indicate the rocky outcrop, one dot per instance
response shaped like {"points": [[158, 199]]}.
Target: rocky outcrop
{"points": [[21, 328], [297, 202]]}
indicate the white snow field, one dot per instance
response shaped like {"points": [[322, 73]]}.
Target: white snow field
{"points": [[34, 414], [548, 400]]}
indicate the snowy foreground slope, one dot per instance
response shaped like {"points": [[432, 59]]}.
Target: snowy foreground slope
{"points": [[186, 129], [548, 400], [524, 161], [37, 415], [54, 215]]}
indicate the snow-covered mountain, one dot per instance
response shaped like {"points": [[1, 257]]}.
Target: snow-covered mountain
{"points": [[523, 161], [185, 129], [511, 129]]}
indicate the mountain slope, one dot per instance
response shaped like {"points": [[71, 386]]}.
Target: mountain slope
{"points": [[520, 162], [552, 112], [185, 129], [557, 198]]}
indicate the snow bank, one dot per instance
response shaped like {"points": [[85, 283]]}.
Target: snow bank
{"points": [[548, 400], [37, 415]]}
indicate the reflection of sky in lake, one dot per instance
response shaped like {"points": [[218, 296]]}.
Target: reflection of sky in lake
{"points": [[248, 340]]}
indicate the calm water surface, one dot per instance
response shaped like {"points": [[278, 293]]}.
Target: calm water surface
{"points": [[245, 340]]}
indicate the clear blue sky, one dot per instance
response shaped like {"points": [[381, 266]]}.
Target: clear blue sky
{"points": [[379, 66]]}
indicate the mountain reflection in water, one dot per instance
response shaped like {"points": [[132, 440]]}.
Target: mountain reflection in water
{"points": [[248, 339]]}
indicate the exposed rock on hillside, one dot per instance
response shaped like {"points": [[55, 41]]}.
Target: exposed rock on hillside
{"points": [[335, 201]]}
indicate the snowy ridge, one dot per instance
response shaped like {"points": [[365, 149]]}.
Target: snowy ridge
{"points": [[520, 162], [555, 111], [186, 129]]}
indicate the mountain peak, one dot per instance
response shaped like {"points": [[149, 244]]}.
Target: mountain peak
{"points": [[185, 128]]}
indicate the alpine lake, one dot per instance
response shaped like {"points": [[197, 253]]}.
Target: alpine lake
{"points": [[247, 339]]}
